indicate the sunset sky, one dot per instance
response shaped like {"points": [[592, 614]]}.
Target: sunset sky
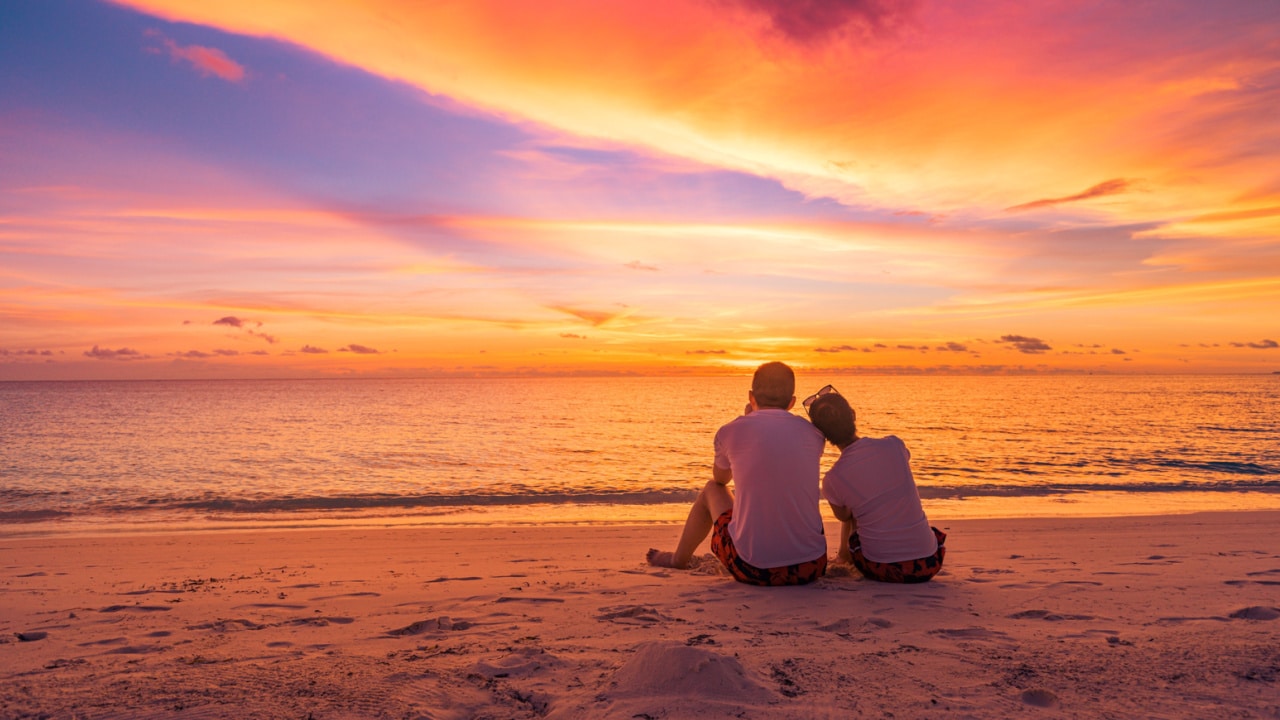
{"points": [[303, 188]]}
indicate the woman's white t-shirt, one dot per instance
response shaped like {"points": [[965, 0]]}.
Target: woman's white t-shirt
{"points": [[873, 480]]}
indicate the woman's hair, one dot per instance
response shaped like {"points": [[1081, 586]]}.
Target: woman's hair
{"points": [[832, 415]]}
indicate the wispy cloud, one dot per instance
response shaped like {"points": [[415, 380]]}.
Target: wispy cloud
{"points": [[312, 350], [206, 60], [1110, 187], [595, 317]]}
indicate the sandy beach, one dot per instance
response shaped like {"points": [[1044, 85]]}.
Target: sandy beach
{"points": [[1163, 616]]}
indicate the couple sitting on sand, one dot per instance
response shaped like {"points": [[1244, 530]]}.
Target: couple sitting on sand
{"points": [[770, 533]]}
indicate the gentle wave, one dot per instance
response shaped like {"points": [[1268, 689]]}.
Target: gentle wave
{"points": [[267, 505], [956, 492]]}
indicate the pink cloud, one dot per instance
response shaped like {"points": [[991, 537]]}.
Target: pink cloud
{"points": [[207, 61]]}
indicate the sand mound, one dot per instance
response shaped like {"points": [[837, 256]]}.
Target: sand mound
{"points": [[662, 668]]}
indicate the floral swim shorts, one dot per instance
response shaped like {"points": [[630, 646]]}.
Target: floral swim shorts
{"points": [[743, 571], [907, 571]]}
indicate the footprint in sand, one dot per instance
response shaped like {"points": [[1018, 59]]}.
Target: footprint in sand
{"points": [[1039, 698], [347, 595], [633, 615], [972, 633], [232, 625], [134, 608], [1238, 583], [321, 621], [444, 623], [1256, 612], [1046, 615], [520, 664]]}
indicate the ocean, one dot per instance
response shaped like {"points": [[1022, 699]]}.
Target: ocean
{"points": [[121, 456]]}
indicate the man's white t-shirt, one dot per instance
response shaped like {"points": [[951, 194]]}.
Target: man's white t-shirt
{"points": [[774, 459], [873, 480]]}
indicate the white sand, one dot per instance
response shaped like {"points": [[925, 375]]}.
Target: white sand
{"points": [[1173, 616]]}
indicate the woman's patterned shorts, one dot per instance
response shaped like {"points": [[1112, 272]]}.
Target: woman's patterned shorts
{"points": [[743, 571], [907, 571]]}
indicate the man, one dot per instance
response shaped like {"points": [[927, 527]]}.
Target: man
{"points": [[771, 532]]}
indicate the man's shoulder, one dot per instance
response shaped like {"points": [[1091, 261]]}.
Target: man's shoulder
{"points": [[769, 420]]}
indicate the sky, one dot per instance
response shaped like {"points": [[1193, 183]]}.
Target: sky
{"points": [[313, 188]]}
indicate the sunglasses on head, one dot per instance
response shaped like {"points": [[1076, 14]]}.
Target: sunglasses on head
{"points": [[826, 390]]}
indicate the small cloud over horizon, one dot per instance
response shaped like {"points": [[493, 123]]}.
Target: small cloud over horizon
{"points": [[1266, 344], [124, 353], [1024, 344], [359, 349]]}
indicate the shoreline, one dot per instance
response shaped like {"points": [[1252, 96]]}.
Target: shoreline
{"points": [[589, 514], [1153, 616]]}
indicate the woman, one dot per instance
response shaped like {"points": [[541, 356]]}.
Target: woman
{"points": [[884, 531]]}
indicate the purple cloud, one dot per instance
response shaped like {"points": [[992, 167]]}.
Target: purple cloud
{"points": [[358, 349], [813, 21], [1264, 345], [1024, 344], [98, 353], [310, 350]]}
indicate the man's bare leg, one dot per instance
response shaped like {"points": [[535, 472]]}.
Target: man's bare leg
{"points": [[712, 502]]}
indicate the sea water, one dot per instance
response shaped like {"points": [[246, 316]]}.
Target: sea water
{"points": [[240, 453]]}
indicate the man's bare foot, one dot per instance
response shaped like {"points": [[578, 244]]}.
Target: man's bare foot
{"points": [[662, 558]]}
